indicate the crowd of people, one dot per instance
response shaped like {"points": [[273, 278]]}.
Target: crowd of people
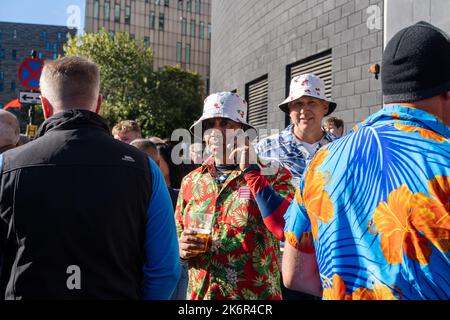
{"points": [[362, 215]]}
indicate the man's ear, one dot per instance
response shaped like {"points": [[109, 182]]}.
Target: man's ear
{"points": [[47, 107], [327, 107], [447, 95], [99, 103], [446, 109]]}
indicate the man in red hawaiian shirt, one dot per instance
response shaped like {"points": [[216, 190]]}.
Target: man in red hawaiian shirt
{"points": [[240, 258]]}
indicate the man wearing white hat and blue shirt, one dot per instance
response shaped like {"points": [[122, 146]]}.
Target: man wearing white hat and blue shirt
{"points": [[240, 257], [296, 145], [306, 105]]}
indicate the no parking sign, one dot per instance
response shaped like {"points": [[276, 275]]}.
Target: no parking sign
{"points": [[30, 72]]}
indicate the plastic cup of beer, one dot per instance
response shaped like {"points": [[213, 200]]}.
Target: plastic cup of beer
{"points": [[201, 223]]}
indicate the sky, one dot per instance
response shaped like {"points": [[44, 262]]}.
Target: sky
{"points": [[49, 12]]}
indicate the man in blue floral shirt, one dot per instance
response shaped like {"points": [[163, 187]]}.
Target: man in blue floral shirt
{"points": [[377, 201], [295, 146]]}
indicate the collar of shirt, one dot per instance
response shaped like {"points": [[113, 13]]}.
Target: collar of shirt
{"points": [[287, 136], [209, 166], [406, 115]]}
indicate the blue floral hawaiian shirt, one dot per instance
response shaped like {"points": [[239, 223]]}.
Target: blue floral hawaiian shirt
{"points": [[377, 202], [289, 151]]}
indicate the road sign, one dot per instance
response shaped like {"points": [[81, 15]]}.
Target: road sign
{"points": [[29, 97], [30, 72], [31, 130]]}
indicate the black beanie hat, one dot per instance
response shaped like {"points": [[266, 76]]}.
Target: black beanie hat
{"points": [[416, 64]]}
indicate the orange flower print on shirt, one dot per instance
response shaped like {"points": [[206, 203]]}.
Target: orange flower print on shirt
{"points": [[439, 188], [432, 219], [379, 292], [427, 134], [408, 223], [393, 221], [316, 200], [298, 196], [291, 239], [334, 290], [337, 288]]}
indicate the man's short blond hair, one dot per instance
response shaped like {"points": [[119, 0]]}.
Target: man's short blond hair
{"points": [[126, 126], [9, 129], [71, 83]]}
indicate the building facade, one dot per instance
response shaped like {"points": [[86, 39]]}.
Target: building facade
{"points": [[259, 45], [17, 40], [178, 31], [402, 13]]}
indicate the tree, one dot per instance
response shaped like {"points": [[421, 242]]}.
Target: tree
{"points": [[160, 101]]}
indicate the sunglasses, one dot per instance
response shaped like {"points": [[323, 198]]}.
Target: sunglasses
{"points": [[210, 123]]}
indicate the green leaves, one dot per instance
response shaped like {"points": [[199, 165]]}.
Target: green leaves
{"points": [[160, 101]]}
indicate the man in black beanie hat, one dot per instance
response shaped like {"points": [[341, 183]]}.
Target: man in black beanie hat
{"points": [[416, 70], [377, 201]]}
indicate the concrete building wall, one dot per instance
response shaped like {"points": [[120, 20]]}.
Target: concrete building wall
{"points": [[163, 41], [402, 13], [16, 42], [256, 37]]}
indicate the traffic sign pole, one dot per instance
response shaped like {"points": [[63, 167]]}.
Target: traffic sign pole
{"points": [[31, 111], [35, 71]]}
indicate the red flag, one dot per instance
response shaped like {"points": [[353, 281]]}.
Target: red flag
{"points": [[13, 104]]}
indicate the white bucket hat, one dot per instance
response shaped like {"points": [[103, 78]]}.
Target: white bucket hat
{"points": [[307, 85], [224, 105]]}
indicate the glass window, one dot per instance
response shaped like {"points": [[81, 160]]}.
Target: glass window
{"points": [[59, 36], [197, 6], [157, 2], [47, 46], [161, 21], [166, 3], [183, 27], [1, 86], [193, 27], [14, 54], [180, 5], [55, 47], [106, 11], [152, 20], [188, 5], [13, 86], [188, 54], [2, 75], [2, 53], [95, 8], [179, 52], [127, 14], [146, 42], [40, 55], [44, 35], [202, 30], [117, 12], [209, 30], [55, 55]]}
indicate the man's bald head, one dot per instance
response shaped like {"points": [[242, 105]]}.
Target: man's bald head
{"points": [[9, 129]]}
